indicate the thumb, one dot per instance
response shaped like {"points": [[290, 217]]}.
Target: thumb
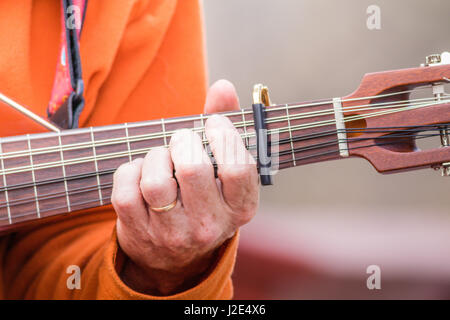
{"points": [[221, 97]]}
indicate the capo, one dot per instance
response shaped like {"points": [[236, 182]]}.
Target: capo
{"points": [[260, 102]]}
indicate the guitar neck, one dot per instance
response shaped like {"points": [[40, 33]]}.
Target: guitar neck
{"points": [[43, 175], [48, 174]]}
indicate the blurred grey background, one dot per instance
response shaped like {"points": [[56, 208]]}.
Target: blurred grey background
{"points": [[338, 217]]}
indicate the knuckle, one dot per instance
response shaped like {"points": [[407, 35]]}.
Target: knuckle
{"points": [[174, 241], [219, 132], [218, 120], [153, 188], [205, 237], [190, 171], [181, 136], [122, 201], [187, 170], [237, 173], [122, 170], [156, 151], [128, 167], [213, 122]]}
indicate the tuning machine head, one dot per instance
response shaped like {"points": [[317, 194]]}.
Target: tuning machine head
{"points": [[445, 142], [438, 91]]}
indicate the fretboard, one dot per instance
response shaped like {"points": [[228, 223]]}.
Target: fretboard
{"points": [[43, 175]]}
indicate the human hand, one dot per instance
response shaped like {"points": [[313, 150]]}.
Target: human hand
{"points": [[169, 251]]}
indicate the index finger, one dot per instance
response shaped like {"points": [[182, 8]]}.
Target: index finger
{"points": [[236, 166]]}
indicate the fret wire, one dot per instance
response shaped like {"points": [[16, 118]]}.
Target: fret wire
{"points": [[246, 139], [163, 126], [271, 120], [33, 177], [96, 167], [61, 153], [128, 141], [8, 208], [290, 136], [204, 140]]}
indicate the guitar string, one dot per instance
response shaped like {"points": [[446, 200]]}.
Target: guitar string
{"points": [[253, 147], [248, 111], [297, 138], [88, 159], [281, 141], [63, 164], [277, 130], [107, 200], [146, 137], [158, 135], [238, 124], [52, 195], [95, 187], [369, 128]]}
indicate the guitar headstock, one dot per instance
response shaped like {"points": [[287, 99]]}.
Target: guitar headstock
{"points": [[383, 122]]}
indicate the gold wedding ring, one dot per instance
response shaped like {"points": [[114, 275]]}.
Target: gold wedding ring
{"points": [[170, 206]]}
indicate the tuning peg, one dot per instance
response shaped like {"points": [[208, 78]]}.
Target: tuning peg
{"points": [[438, 92], [445, 169], [445, 142]]}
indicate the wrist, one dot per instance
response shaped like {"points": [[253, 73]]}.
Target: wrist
{"points": [[159, 282]]}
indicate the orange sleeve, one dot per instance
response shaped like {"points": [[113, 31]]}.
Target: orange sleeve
{"points": [[36, 263], [141, 60]]}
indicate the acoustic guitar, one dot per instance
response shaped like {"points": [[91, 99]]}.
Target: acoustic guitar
{"points": [[59, 173]]}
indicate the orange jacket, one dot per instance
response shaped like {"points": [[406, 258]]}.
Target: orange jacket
{"points": [[142, 59]]}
